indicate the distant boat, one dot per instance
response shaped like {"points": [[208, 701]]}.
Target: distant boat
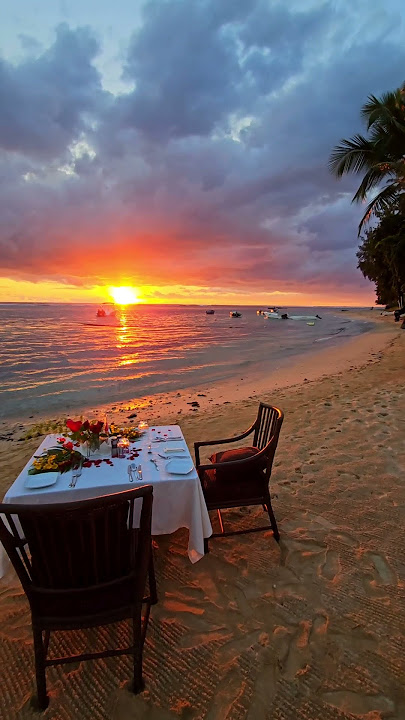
{"points": [[106, 311], [105, 316], [210, 312], [235, 313], [285, 316]]}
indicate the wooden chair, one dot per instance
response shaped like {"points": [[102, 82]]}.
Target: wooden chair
{"points": [[83, 564], [241, 477]]}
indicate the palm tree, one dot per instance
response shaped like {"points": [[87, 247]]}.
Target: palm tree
{"points": [[381, 156]]}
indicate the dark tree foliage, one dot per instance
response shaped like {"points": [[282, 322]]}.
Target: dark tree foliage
{"points": [[381, 255], [378, 157]]}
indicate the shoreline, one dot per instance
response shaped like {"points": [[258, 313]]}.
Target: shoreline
{"points": [[260, 379]]}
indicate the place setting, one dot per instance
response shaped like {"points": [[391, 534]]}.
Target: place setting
{"points": [[92, 459]]}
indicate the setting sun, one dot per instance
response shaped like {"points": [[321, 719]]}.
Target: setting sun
{"points": [[124, 295]]}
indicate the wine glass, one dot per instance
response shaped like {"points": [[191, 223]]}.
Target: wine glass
{"points": [[143, 426]]}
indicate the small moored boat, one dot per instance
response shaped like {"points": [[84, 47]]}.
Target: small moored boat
{"points": [[209, 312], [235, 313], [286, 316]]}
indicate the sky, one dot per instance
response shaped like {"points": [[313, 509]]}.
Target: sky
{"points": [[181, 147]]}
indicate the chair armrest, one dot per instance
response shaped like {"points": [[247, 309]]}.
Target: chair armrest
{"points": [[203, 443]]}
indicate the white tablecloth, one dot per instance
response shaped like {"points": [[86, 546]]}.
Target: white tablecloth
{"points": [[178, 500]]}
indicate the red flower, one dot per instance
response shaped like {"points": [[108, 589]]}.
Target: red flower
{"points": [[85, 425], [74, 425], [96, 427], [68, 446]]}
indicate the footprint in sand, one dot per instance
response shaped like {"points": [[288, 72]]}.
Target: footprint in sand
{"points": [[358, 704], [345, 538], [295, 654], [383, 572], [320, 626], [381, 575], [331, 567]]}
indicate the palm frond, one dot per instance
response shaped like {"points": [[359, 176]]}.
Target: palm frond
{"points": [[383, 110], [372, 179], [351, 156], [381, 202]]}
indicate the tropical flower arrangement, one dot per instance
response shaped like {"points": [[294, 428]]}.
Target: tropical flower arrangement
{"points": [[57, 459], [90, 434]]}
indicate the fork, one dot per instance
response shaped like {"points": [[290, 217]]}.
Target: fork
{"points": [[75, 476], [169, 456]]}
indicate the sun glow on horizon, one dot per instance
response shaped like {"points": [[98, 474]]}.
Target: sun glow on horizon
{"points": [[124, 295]]}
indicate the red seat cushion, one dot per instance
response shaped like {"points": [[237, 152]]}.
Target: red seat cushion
{"points": [[234, 484], [242, 453], [234, 454]]}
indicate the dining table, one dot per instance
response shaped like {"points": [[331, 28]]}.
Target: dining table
{"points": [[159, 457]]}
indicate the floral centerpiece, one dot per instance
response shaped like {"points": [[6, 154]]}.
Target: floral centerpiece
{"points": [[88, 434], [57, 459]]}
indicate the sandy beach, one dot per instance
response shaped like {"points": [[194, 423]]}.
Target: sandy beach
{"points": [[309, 629]]}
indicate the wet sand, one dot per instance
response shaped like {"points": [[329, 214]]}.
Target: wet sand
{"points": [[312, 628]]}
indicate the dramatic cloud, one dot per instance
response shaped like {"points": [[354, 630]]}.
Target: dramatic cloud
{"points": [[210, 170]]}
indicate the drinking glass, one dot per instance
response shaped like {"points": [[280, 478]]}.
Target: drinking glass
{"points": [[143, 426]]}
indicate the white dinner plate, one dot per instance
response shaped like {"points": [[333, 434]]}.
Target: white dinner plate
{"points": [[180, 466], [41, 480]]}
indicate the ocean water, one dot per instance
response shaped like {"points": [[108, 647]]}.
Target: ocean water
{"points": [[55, 356]]}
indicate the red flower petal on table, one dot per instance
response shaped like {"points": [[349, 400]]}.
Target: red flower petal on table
{"points": [[68, 446], [87, 463], [60, 440], [74, 425]]}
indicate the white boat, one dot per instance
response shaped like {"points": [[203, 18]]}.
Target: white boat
{"points": [[304, 317], [274, 315], [286, 316]]}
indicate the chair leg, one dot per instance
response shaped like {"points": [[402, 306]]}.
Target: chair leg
{"points": [[152, 581], [137, 653], [273, 523], [206, 546], [43, 700]]}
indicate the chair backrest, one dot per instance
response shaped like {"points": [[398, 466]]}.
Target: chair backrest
{"points": [[267, 426], [69, 549]]}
